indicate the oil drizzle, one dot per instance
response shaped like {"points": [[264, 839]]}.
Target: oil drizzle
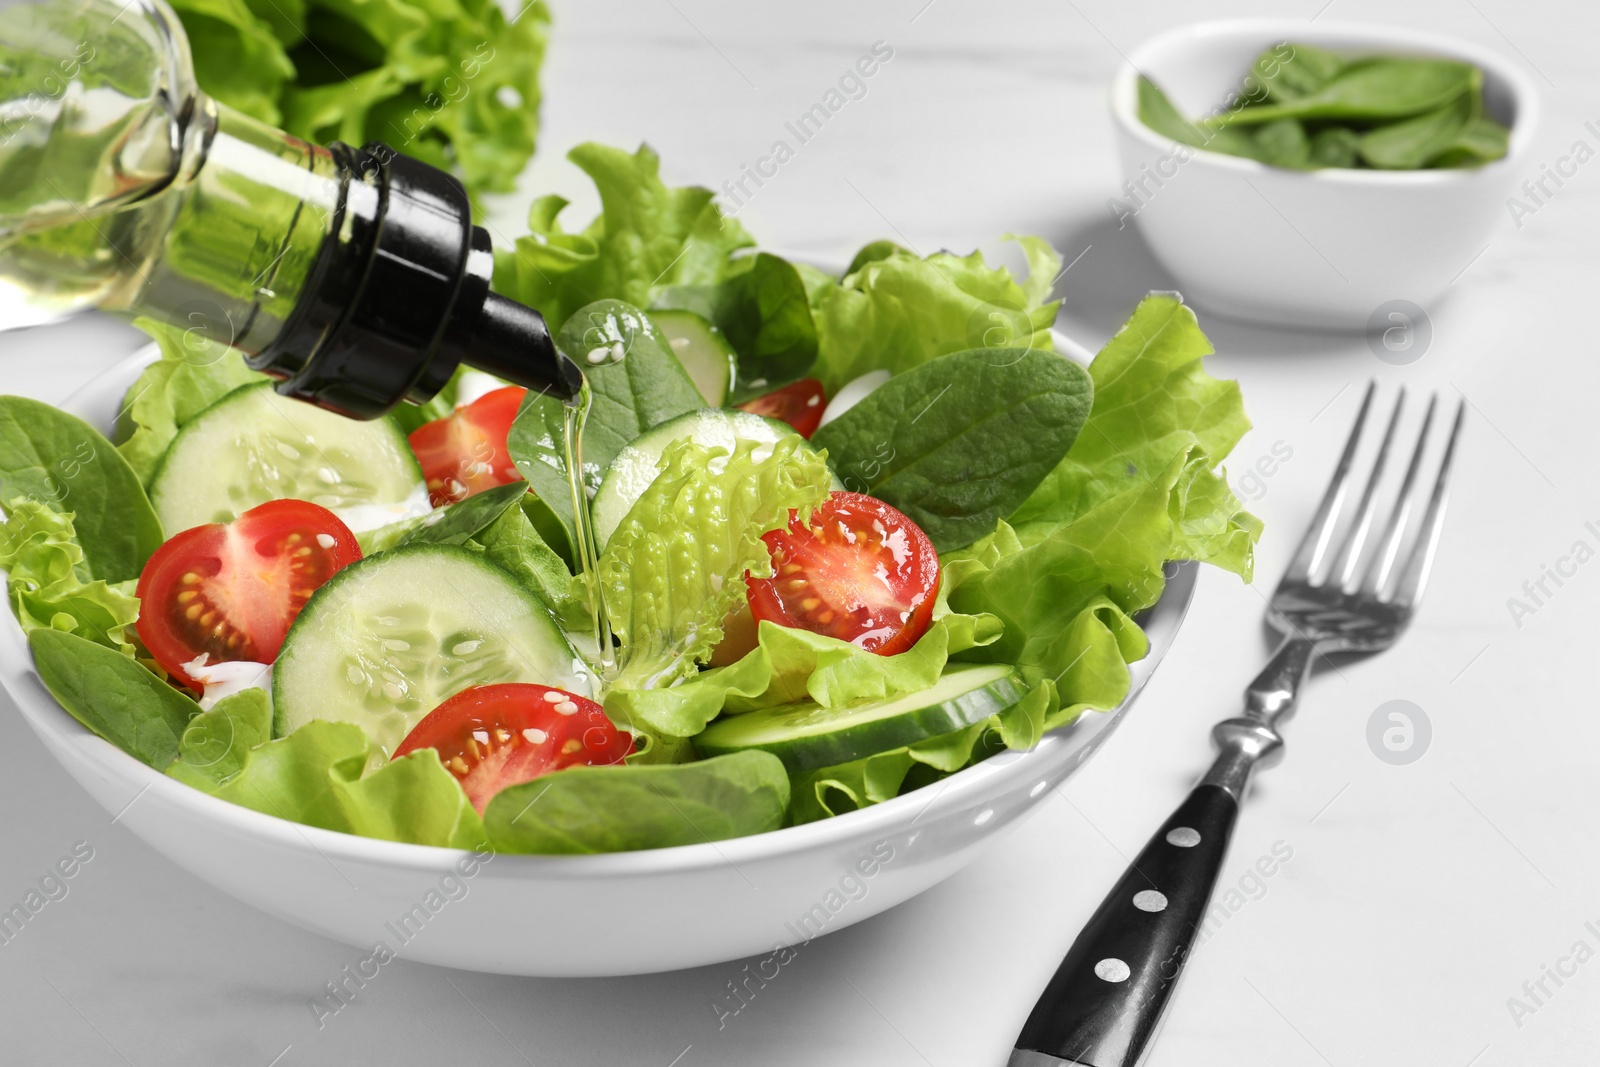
{"points": [[575, 412]]}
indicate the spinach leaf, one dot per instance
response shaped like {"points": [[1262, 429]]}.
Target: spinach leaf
{"points": [[645, 388], [455, 523], [1161, 115], [960, 441], [513, 542], [1292, 71], [1483, 140], [117, 698], [619, 809], [1411, 143], [60, 460], [1305, 108], [1336, 146], [1386, 88], [763, 312], [1283, 143]]}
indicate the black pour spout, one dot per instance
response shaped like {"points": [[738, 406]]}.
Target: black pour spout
{"points": [[399, 297]]}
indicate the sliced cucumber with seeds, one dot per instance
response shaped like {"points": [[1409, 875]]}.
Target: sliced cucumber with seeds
{"points": [[388, 639], [806, 735], [635, 467], [254, 445], [703, 351]]}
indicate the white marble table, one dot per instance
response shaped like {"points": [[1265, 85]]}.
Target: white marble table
{"points": [[1418, 898]]}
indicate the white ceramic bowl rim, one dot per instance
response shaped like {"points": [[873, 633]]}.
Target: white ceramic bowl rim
{"points": [[47, 715], [1400, 39]]}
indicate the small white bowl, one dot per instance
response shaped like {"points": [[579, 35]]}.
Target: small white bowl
{"points": [[1322, 249], [625, 913]]}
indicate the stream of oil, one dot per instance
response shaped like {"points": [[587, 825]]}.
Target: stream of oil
{"points": [[576, 411]]}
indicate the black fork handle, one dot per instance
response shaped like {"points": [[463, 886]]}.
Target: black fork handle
{"points": [[1107, 999]]}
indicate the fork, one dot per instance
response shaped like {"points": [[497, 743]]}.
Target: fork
{"points": [[1107, 999]]}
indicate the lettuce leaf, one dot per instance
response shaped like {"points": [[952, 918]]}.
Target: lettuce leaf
{"points": [[193, 373], [647, 235], [315, 776], [882, 776], [618, 809], [675, 567], [454, 83], [897, 310], [238, 59], [1154, 402], [49, 585], [789, 665]]}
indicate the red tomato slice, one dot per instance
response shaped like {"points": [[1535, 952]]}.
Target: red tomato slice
{"points": [[230, 591], [862, 572], [494, 736], [465, 452], [800, 405]]}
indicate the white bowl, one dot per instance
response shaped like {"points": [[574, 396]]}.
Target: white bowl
{"points": [[626, 913], [1322, 249]]}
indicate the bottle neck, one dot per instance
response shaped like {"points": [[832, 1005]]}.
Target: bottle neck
{"points": [[354, 276]]}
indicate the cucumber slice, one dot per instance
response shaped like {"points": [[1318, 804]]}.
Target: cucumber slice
{"points": [[703, 351], [253, 446], [388, 639], [806, 735], [634, 468]]}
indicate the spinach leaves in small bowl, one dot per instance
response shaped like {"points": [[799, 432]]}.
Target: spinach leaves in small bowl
{"points": [[1306, 108]]}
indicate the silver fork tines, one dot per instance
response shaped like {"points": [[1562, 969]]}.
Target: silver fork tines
{"points": [[1341, 606]]}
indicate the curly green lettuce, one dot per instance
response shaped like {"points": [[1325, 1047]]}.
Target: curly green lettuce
{"points": [[454, 83], [50, 587], [675, 567]]}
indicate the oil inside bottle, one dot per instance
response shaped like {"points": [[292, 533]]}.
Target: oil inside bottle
{"points": [[575, 411]]}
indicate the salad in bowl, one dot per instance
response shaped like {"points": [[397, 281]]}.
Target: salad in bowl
{"points": [[852, 534]]}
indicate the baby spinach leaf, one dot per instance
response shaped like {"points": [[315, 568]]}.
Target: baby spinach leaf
{"points": [[961, 440], [1336, 146], [117, 698], [1411, 143], [1482, 140], [1290, 71], [455, 523], [763, 312], [513, 542], [644, 388], [1283, 144], [619, 809], [62, 461], [1386, 88]]}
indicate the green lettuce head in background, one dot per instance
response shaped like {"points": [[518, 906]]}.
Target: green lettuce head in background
{"points": [[454, 83]]}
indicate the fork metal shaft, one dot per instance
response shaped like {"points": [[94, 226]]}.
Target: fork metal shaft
{"points": [[1252, 739]]}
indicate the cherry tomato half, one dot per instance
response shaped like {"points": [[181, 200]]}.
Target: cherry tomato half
{"points": [[800, 405], [230, 591], [495, 736], [861, 572], [465, 452]]}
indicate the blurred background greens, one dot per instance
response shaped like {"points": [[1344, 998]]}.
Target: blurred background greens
{"points": [[452, 82]]}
